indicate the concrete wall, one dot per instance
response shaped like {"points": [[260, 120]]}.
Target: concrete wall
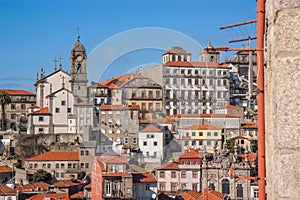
{"points": [[282, 95]]}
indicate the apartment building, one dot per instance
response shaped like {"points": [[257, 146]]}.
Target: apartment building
{"points": [[168, 178]]}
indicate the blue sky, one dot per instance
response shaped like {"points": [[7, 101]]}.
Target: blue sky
{"points": [[34, 32]]}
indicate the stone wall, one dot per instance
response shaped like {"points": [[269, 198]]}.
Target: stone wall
{"points": [[282, 83]]}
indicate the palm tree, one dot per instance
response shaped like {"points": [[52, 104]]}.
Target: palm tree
{"points": [[4, 100]]}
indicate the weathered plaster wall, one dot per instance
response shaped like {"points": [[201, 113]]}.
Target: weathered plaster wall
{"points": [[282, 98]]}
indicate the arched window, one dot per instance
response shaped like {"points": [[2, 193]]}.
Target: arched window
{"points": [[239, 191], [212, 186], [185, 58], [173, 58], [179, 58], [225, 186], [211, 58]]}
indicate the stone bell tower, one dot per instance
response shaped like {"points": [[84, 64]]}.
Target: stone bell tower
{"points": [[78, 71]]}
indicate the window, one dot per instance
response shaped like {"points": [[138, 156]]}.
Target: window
{"points": [[215, 134], [162, 174], [186, 143], [173, 187], [239, 191], [62, 175], [57, 110], [144, 143], [49, 165], [194, 186], [195, 174], [30, 166], [41, 129], [44, 165], [134, 141], [200, 142], [147, 186], [208, 133], [62, 165], [74, 165], [13, 116], [154, 143], [212, 186], [35, 165], [57, 175], [200, 133], [157, 94], [155, 154], [150, 106], [63, 103], [87, 165], [173, 174], [41, 119], [81, 165], [208, 142], [157, 106], [107, 187], [82, 152], [147, 154], [69, 110], [13, 106], [162, 187], [23, 106], [57, 165], [225, 186], [69, 165], [255, 195], [87, 152], [183, 174], [126, 140]]}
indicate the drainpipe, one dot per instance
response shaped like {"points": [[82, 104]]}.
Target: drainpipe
{"points": [[260, 100]]}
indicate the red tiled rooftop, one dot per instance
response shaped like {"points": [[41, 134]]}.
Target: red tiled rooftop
{"points": [[169, 166], [18, 92], [151, 129], [78, 195], [194, 64], [34, 106], [33, 187], [5, 190], [42, 111], [191, 154], [67, 183], [5, 169], [55, 156], [144, 178], [202, 127], [190, 195], [113, 159], [62, 196], [209, 194]]}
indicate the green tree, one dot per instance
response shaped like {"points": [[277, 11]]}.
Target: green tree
{"points": [[41, 175], [4, 100]]}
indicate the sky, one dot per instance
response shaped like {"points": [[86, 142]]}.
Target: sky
{"points": [[119, 35]]}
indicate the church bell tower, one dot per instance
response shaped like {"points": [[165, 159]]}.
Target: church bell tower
{"points": [[78, 71]]}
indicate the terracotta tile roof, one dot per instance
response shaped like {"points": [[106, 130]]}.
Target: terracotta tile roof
{"points": [[173, 51], [98, 161], [42, 111], [194, 64], [115, 174], [62, 196], [169, 166], [202, 127], [33, 187], [143, 178], [240, 137], [55, 156], [190, 195], [67, 183], [78, 195], [113, 159], [4, 190], [119, 107], [151, 129], [191, 154], [5, 169], [18, 92], [126, 147], [249, 125], [209, 194], [118, 81], [207, 115], [168, 119]]}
